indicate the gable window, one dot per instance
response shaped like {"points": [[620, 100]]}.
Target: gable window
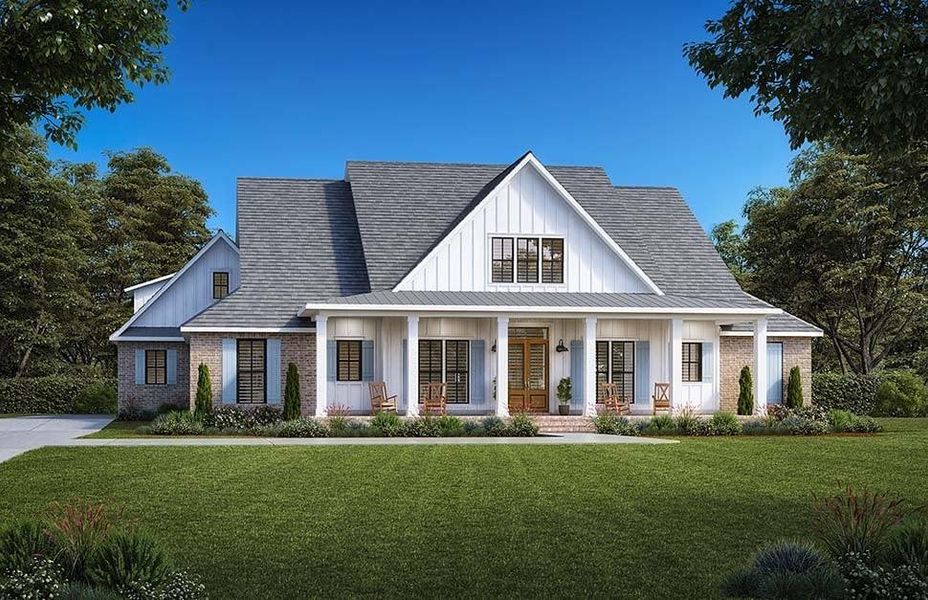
{"points": [[615, 363], [552, 260], [348, 367], [220, 285], [527, 260], [692, 362], [252, 371], [446, 361], [156, 367], [502, 260]]}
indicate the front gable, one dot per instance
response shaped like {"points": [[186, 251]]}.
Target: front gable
{"points": [[527, 203]]}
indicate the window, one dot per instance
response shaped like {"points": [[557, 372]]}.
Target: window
{"points": [[252, 371], [692, 361], [615, 363], [348, 365], [502, 260], [156, 367], [447, 361], [220, 285], [527, 260], [552, 260]]}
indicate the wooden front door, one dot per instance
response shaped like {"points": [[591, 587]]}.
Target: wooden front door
{"points": [[528, 372]]}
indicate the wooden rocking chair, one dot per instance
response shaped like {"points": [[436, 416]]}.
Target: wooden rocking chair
{"points": [[661, 398], [434, 401], [380, 401], [613, 401]]}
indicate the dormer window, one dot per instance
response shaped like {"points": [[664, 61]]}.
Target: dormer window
{"points": [[534, 260], [220, 285]]}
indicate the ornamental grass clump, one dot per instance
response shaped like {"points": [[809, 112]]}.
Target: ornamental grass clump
{"points": [[521, 425], [725, 423], [786, 570], [856, 522]]}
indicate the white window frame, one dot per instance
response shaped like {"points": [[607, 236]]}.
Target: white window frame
{"points": [[539, 237]]}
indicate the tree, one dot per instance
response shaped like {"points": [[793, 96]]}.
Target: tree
{"points": [[852, 73], [292, 393], [41, 292], [57, 57], [745, 392], [794, 389], [729, 244], [204, 398], [845, 247]]}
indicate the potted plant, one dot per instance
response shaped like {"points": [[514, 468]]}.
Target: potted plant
{"points": [[564, 393]]}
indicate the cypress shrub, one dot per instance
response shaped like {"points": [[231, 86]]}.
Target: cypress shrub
{"points": [[292, 394], [204, 398], [746, 395], [794, 389]]}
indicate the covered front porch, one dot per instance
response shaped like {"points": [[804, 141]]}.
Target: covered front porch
{"points": [[496, 362]]}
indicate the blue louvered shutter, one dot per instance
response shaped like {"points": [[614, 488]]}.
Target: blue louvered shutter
{"points": [[403, 372], [229, 371], [478, 376], [642, 372], [140, 367], [367, 360], [273, 371], [330, 360], [171, 357], [576, 374], [708, 362]]}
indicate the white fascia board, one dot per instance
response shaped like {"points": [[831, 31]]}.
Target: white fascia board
{"points": [[584, 215], [149, 282], [146, 339], [330, 308], [196, 329], [773, 333], [220, 235]]}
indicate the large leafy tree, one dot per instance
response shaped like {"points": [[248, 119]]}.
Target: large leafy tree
{"points": [[58, 57], [845, 246], [851, 73]]}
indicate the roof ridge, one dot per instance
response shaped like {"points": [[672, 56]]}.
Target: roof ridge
{"points": [[419, 163], [646, 187]]}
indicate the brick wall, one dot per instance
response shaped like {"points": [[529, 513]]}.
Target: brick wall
{"points": [[737, 351], [297, 348], [133, 396]]}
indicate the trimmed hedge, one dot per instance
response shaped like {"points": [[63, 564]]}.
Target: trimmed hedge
{"points": [[57, 394], [851, 392]]}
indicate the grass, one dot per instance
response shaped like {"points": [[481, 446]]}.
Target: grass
{"points": [[119, 429], [627, 521]]}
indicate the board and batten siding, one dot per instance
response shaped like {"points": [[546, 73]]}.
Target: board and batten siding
{"points": [[528, 206], [143, 294], [703, 396], [193, 291]]}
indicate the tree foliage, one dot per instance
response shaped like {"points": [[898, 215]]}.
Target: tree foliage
{"points": [[292, 393], [850, 73], [204, 399], [794, 397], [58, 57], [745, 392]]}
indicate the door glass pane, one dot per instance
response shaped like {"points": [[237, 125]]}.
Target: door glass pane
{"points": [[516, 366], [534, 333], [456, 371], [537, 366]]}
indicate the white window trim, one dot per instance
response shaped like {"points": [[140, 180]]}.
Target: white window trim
{"points": [[515, 259]]}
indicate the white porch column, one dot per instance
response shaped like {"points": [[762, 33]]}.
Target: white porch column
{"points": [[412, 366], [760, 366], [589, 367], [502, 366], [676, 363], [322, 367]]}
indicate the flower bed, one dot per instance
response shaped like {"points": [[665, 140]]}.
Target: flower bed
{"points": [[266, 421]]}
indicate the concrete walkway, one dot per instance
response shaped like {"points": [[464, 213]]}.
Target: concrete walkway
{"points": [[564, 438], [21, 434]]}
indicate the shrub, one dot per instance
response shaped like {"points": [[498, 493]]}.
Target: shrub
{"points": [[786, 570], [239, 419], [55, 394], [842, 421], [22, 543], [301, 427], [521, 426], [851, 392], [612, 424], [746, 392], [292, 393], [96, 398], [907, 544], [387, 424], [856, 522], [80, 591], [900, 394], [758, 426], [178, 422], [204, 398], [126, 560], [799, 425], [493, 425], [424, 426], [661, 424], [450, 426], [686, 420], [338, 425], [794, 389], [725, 423], [865, 580], [39, 579], [180, 585], [79, 530]]}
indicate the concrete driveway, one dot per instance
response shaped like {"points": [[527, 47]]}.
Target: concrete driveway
{"points": [[21, 434]]}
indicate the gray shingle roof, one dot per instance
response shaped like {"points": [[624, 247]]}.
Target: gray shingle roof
{"points": [[545, 299]]}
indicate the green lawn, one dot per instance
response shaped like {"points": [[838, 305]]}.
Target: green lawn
{"points": [[663, 521]]}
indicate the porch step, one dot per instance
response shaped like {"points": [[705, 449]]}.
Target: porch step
{"points": [[563, 424]]}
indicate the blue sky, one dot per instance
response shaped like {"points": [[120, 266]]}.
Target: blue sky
{"points": [[296, 89]]}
